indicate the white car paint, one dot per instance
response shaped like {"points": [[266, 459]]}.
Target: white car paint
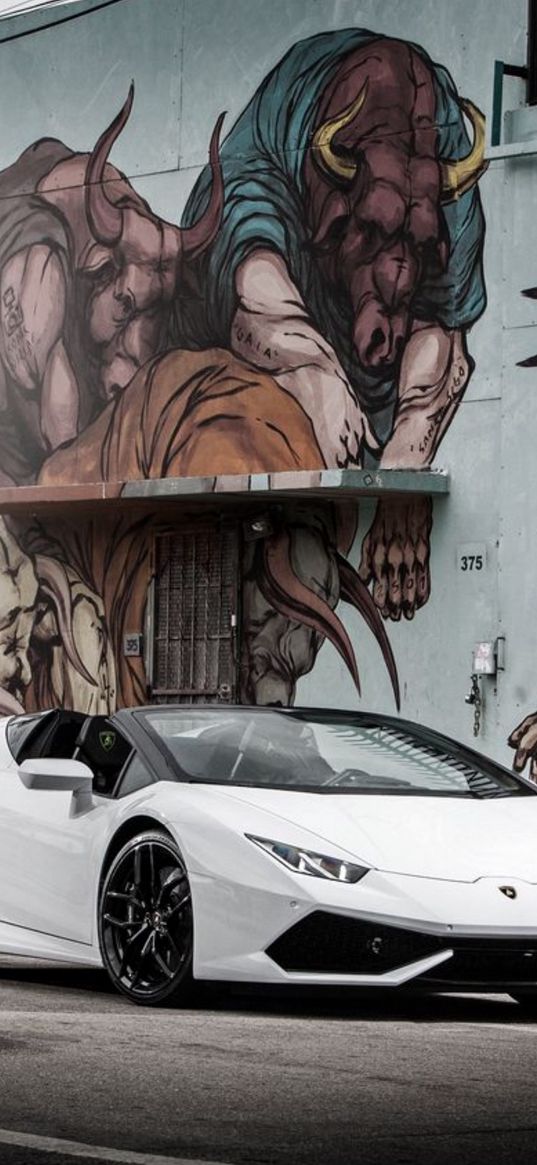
{"points": [[435, 865]]}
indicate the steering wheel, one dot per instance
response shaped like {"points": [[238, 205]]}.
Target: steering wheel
{"points": [[367, 780]]}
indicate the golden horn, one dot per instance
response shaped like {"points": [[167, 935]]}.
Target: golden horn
{"points": [[322, 141], [459, 176]]}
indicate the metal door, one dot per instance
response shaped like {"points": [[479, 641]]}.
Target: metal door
{"points": [[195, 615]]}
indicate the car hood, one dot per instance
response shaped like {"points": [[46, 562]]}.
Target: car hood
{"points": [[435, 837]]}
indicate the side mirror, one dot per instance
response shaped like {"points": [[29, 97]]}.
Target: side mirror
{"points": [[59, 775]]}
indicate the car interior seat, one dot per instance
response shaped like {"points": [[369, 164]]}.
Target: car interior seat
{"points": [[102, 747]]}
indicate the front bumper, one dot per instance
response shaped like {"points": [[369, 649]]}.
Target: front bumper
{"points": [[389, 930], [326, 943]]}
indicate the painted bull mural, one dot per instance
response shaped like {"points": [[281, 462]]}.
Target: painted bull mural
{"points": [[311, 310], [349, 262], [293, 582], [88, 279]]}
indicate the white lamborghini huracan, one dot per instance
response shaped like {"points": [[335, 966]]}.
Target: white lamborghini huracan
{"points": [[174, 843]]}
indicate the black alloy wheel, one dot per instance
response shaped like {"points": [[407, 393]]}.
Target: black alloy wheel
{"points": [[145, 920]]}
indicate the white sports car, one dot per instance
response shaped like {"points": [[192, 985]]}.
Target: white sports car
{"points": [[265, 845]]}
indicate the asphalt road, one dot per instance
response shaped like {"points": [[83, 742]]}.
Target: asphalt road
{"points": [[256, 1079]]}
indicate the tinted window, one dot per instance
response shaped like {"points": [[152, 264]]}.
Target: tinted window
{"points": [[136, 776], [22, 728]]}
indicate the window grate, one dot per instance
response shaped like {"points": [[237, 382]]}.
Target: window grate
{"points": [[196, 580]]}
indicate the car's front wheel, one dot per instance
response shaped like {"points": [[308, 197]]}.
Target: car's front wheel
{"points": [[145, 920]]}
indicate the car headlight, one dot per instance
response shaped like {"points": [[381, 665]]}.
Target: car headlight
{"points": [[304, 861]]}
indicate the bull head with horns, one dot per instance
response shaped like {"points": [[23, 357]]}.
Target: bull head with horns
{"points": [[293, 582], [376, 187], [130, 264]]}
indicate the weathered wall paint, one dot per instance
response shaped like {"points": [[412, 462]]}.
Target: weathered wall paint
{"points": [[337, 221]]}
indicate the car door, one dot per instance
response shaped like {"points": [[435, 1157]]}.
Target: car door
{"points": [[48, 843]]}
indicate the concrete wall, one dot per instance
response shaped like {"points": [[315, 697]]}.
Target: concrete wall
{"points": [[191, 59]]}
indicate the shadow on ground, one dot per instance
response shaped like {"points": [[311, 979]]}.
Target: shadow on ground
{"points": [[320, 1003]]}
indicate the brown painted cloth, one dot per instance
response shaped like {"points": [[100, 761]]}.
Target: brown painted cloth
{"points": [[191, 414]]}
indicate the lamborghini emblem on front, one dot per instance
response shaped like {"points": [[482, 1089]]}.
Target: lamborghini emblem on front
{"points": [[107, 740], [509, 891]]}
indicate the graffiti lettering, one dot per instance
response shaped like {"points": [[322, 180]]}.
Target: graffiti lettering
{"points": [[433, 427], [13, 316], [247, 340], [18, 347]]}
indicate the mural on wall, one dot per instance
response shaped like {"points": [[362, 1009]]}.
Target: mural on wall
{"points": [[524, 740], [88, 276], [293, 581], [69, 594], [54, 641], [349, 262], [311, 311], [76, 589]]}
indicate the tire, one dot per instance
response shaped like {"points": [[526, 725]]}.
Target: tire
{"points": [[145, 921]]}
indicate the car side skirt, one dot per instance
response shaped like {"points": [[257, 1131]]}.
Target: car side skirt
{"points": [[17, 940]]}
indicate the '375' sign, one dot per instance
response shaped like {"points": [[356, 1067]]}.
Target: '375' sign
{"points": [[471, 557]]}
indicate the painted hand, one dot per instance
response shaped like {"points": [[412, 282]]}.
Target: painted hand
{"points": [[395, 556], [341, 428], [524, 740]]}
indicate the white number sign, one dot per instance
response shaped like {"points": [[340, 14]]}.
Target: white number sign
{"points": [[471, 557]]}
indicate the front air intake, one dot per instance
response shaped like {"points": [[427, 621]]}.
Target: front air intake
{"points": [[334, 944]]}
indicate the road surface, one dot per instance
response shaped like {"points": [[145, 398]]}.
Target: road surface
{"points": [[257, 1080]]}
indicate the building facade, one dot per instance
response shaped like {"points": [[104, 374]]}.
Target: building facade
{"points": [[267, 371]]}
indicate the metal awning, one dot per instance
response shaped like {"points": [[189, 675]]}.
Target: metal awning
{"points": [[325, 484]]}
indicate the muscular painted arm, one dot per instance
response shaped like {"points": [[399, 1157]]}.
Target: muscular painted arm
{"points": [[32, 314], [271, 329], [434, 373], [395, 555]]}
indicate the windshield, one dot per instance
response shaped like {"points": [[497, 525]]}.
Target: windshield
{"points": [[323, 753]]}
